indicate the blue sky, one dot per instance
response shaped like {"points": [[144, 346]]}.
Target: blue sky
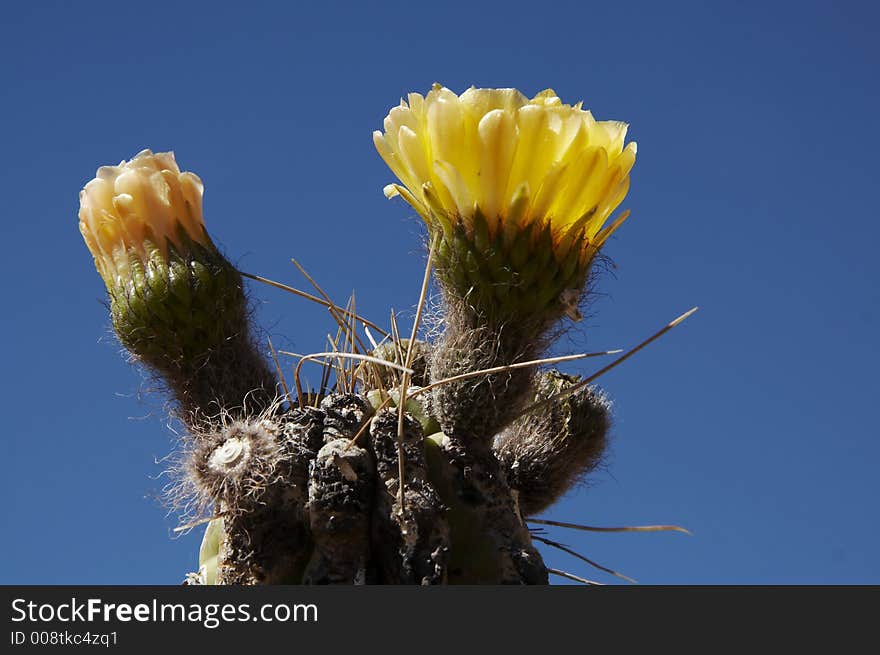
{"points": [[753, 424]]}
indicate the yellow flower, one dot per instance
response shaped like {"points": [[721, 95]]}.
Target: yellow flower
{"points": [[517, 162], [518, 191], [173, 295], [139, 208]]}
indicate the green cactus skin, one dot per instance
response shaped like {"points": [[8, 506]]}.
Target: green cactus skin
{"points": [[185, 317]]}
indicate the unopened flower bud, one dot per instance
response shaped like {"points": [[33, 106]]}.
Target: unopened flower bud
{"points": [[175, 301]]}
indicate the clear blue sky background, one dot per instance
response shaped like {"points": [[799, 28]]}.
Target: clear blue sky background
{"points": [[754, 195]]}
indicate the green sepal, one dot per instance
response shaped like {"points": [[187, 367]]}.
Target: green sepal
{"points": [[511, 278]]}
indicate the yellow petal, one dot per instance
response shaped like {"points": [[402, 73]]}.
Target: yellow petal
{"points": [[440, 213], [547, 97], [405, 193], [512, 158], [397, 118], [394, 162], [602, 237], [479, 102], [413, 154], [547, 192], [609, 204], [497, 144], [416, 103], [627, 158], [192, 190], [541, 150], [532, 137], [449, 135], [610, 135], [166, 161], [454, 183], [585, 180]]}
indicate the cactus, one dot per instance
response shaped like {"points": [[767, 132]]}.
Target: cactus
{"points": [[418, 467]]}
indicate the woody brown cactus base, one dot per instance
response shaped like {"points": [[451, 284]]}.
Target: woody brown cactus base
{"points": [[422, 463]]}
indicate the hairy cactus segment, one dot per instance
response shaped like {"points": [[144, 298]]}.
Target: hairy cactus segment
{"points": [[255, 473], [239, 463], [489, 544], [416, 535], [307, 424], [546, 453], [340, 495], [344, 415], [476, 408]]}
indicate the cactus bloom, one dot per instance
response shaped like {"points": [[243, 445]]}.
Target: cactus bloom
{"points": [[139, 208], [515, 160], [174, 298], [511, 180]]}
